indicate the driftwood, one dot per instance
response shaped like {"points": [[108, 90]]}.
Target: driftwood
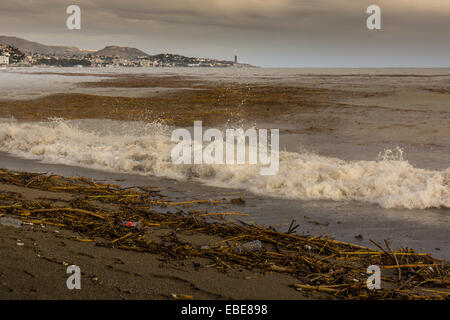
{"points": [[322, 265]]}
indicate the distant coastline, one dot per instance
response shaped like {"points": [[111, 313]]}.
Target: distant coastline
{"points": [[23, 53]]}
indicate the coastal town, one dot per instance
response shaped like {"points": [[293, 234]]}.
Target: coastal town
{"points": [[22, 53]]}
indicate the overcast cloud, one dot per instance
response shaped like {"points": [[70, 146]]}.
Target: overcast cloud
{"points": [[303, 33]]}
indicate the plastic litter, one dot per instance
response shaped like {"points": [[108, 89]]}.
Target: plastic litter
{"points": [[11, 222], [133, 224], [251, 246]]}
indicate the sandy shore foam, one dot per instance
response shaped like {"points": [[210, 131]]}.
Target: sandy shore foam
{"points": [[145, 149]]}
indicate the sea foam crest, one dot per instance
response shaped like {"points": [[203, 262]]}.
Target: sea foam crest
{"points": [[142, 148]]}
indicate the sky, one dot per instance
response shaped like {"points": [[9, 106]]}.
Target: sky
{"points": [[267, 33]]}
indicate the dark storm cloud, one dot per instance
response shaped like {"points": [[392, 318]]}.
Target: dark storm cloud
{"points": [[295, 32]]}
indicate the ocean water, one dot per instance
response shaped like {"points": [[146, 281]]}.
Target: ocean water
{"points": [[389, 180], [377, 165], [392, 150]]}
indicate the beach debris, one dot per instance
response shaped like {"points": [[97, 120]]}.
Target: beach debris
{"points": [[133, 224], [121, 238], [11, 222], [328, 289], [181, 296], [251, 246], [20, 243], [292, 227], [239, 201], [322, 265], [223, 214], [280, 269], [359, 237]]}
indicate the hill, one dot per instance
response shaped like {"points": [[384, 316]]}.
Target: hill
{"points": [[68, 56], [123, 52], [35, 47]]}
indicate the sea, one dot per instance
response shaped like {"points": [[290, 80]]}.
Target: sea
{"points": [[376, 165]]}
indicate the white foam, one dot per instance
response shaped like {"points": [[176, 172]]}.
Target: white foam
{"points": [[145, 149]]}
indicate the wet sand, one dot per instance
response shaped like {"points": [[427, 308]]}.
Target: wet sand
{"points": [[423, 230], [37, 270]]}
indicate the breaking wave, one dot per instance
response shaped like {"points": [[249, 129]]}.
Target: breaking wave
{"points": [[145, 149]]}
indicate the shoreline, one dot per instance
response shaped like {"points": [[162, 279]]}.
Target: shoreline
{"points": [[357, 222]]}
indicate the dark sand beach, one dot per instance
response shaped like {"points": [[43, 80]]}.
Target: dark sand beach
{"points": [[185, 249]]}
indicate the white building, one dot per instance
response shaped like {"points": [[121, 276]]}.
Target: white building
{"points": [[4, 60]]}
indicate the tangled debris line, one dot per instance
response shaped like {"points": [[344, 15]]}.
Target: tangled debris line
{"points": [[337, 269]]}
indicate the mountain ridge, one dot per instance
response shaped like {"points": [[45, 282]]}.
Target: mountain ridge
{"points": [[123, 52], [54, 54], [53, 50], [36, 47]]}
